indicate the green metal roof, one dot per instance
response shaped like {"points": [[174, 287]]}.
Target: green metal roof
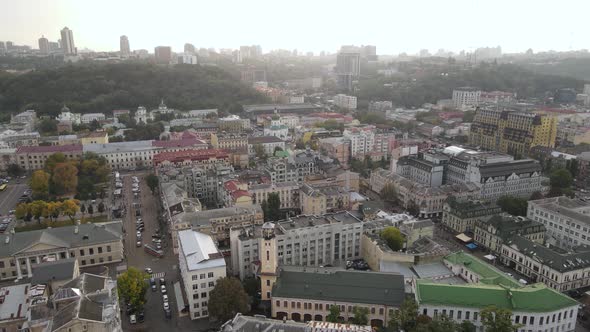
{"points": [[342, 286], [532, 298], [488, 274]]}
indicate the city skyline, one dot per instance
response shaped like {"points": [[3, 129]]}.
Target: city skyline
{"points": [[385, 25]]}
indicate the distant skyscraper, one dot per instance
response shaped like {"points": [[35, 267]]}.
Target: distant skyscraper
{"points": [[189, 48], [2, 46], [9, 45], [369, 52], [53, 46], [124, 46], [163, 54], [67, 41], [43, 45], [348, 68]]}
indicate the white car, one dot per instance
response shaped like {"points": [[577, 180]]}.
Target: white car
{"points": [[138, 234], [166, 306], [163, 289], [132, 319], [165, 298], [148, 270]]}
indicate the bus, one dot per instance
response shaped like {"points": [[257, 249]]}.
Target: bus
{"points": [[3, 187]]}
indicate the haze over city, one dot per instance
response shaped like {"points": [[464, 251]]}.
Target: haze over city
{"points": [[394, 26]]}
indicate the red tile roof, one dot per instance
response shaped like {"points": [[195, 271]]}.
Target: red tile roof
{"points": [[239, 193], [231, 185], [193, 155], [50, 149], [181, 143]]}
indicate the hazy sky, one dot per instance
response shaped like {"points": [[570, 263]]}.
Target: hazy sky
{"points": [[394, 26]]}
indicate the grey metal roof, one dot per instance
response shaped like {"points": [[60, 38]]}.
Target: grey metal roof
{"points": [[115, 147], [242, 323], [63, 237], [63, 269], [342, 286], [553, 257], [505, 169]]}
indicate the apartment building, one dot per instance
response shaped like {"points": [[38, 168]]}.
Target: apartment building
{"points": [[201, 265], [229, 141], [301, 241], [466, 97], [512, 132], [461, 215], [362, 140], [559, 269], [567, 220], [345, 102], [203, 183], [268, 143], [90, 117], [337, 148], [318, 199], [427, 169], [33, 158], [214, 222], [288, 193], [125, 155], [491, 233], [90, 244], [205, 159]]}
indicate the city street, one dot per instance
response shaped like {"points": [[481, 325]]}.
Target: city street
{"points": [[9, 197], [166, 267]]}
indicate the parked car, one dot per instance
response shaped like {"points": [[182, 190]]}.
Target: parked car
{"points": [[168, 313], [163, 289], [140, 317], [159, 246], [148, 270], [132, 319], [165, 298], [138, 234], [166, 306], [162, 281], [138, 244]]}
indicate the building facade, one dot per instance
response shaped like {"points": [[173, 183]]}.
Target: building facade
{"points": [[201, 265], [34, 157]]}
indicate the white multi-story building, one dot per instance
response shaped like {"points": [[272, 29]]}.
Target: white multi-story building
{"points": [[125, 155], [201, 265], [344, 101], [187, 58], [291, 121], [362, 140], [567, 220], [268, 143], [466, 97], [89, 117], [302, 241], [276, 129]]}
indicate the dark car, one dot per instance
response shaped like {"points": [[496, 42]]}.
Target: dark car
{"points": [[168, 313], [140, 317]]}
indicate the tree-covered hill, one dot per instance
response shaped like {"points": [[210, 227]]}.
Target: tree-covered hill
{"points": [[417, 85], [104, 87], [572, 67]]}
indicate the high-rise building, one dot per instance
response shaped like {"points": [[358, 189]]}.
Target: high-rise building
{"points": [[124, 46], [9, 45], [53, 46], [189, 48], [369, 52], [512, 132], [466, 97], [43, 45], [163, 54], [67, 41], [348, 68], [2, 46]]}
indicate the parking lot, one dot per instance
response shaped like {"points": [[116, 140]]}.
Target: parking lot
{"points": [[9, 197]]}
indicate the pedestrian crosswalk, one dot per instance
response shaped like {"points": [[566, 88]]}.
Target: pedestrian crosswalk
{"points": [[158, 275]]}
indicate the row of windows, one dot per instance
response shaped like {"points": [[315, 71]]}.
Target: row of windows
{"points": [[203, 276]]}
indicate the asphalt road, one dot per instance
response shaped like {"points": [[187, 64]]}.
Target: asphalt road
{"points": [[9, 197], [155, 319]]}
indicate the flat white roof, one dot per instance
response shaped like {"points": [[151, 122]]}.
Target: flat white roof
{"points": [[15, 302], [199, 250]]}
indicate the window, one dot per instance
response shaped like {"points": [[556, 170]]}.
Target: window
{"points": [[278, 303], [204, 304], [195, 296], [211, 284], [195, 286], [203, 285], [195, 305], [100, 250], [108, 248], [203, 295], [195, 277], [91, 251], [81, 252], [202, 276], [210, 275], [83, 262]]}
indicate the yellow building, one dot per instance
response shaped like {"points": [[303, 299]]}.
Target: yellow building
{"points": [[512, 132], [97, 137]]}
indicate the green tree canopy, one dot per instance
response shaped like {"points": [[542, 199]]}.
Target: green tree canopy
{"points": [[132, 286], [152, 182], [393, 237], [334, 314], [40, 183], [272, 207], [498, 320], [561, 178], [406, 317], [227, 298], [516, 206], [361, 315]]}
